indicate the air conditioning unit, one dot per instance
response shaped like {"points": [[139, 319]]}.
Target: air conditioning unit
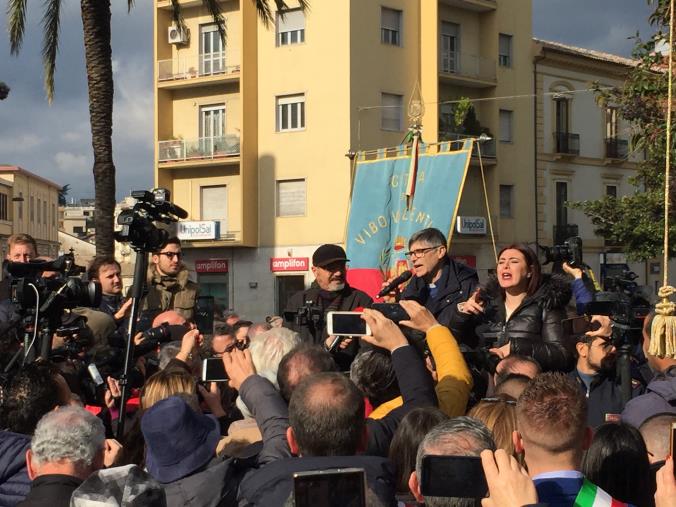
{"points": [[178, 36]]}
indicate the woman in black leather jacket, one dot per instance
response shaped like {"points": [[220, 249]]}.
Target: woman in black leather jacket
{"points": [[520, 310]]}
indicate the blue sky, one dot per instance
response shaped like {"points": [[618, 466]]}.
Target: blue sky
{"points": [[54, 141]]}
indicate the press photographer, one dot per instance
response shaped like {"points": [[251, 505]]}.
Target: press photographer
{"points": [[306, 310]]}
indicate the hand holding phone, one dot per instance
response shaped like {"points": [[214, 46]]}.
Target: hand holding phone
{"points": [[453, 476], [346, 324]]}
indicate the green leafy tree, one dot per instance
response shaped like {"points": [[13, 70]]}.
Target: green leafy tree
{"points": [[96, 16], [637, 221]]}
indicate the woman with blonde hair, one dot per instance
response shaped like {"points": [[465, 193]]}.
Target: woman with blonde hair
{"points": [[499, 415]]}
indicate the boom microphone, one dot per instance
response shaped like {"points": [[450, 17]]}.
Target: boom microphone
{"points": [[404, 277]]}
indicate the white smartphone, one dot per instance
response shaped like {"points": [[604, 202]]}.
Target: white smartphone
{"points": [[346, 324]]}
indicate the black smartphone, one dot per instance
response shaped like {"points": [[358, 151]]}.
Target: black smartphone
{"points": [[204, 314], [672, 443], [330, 488], [346, 324], [392, 311], [453, 476], [213, 370]]}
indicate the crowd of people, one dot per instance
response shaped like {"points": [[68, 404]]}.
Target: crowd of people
{"points": [[478, 396]]}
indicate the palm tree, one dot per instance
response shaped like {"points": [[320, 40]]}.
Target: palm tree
{"points": [[96, 16]]}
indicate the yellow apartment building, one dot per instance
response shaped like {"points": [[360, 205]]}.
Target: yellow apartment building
{"points": [[251, 136], [28, 204]]}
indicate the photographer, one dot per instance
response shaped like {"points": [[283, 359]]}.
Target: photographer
{"points": [[168, 285], [107, 271], [522, 308], [329, 292]]}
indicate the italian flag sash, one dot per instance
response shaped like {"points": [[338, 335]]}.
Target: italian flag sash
{"points": [[592, 496]]}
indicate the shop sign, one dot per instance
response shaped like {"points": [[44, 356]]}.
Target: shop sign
{"points": [[471, 225], [278, 264], [197, 230], [469, 260], [211, 266]]}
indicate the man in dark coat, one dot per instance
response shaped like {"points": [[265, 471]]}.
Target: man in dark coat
{"points": [[306, 310], [439, 283]]}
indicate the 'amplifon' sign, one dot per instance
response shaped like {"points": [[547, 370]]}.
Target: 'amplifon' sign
{"points": [[278, 264], [211, 266]]}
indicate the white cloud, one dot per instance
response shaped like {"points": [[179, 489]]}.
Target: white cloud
{"points": [[21, 143], [72, 163]]}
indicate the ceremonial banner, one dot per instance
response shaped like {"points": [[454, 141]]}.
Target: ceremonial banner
{"points": [[382, 217]]}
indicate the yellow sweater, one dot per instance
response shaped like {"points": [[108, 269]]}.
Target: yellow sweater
{"points": [[455, 379]]}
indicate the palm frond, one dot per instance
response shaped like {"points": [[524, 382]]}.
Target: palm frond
{"points": [[50, 43], [304, 5], [130, 4], [177, 16], [264, 12], [215, 10], [16, 18]]}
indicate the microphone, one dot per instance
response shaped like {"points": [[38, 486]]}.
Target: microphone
{"points": [[395, 283]]}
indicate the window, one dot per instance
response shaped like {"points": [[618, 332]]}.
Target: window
{"points": [[290, 198], [21, 205], [290, 112], [78, 230], [32, 208], [506, 119], [390, 26], [506, 194], [3, 207], [611, 123], [561, 198], [290, 27], [392, 109], [39, 210], [561, 115], [53, 215], [611, 190], [214, 201], [505, 50], [212, 129], [44, 212], [450, 47], [212, 50]]}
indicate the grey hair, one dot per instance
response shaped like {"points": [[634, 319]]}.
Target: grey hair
{"points": [[431, 236], [168, 352], [68, 434], [268, 349], [459, 436]]}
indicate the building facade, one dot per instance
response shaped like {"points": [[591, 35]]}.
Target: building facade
{"points": [[252, 135], [583, 150], [78, 220], [28, 203]]}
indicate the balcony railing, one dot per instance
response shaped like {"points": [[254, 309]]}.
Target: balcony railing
{"points": [[177, 150], [565, 142], [565, 231], [487, 147], [616, 148], [465, 65], [191, 67]]}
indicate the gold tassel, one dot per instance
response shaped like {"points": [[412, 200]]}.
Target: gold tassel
{"points": [[663, 329]]}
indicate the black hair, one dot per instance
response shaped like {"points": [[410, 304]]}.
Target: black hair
{"points": [[429, 236], [301, 361], [30, 394], [171, 241], [326, 413], [617, 461], [373, 373], [404, 447]]}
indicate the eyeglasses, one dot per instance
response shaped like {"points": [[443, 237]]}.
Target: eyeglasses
{"points": [[499, 400], [416, 254], [241, 345], [171, 255]]}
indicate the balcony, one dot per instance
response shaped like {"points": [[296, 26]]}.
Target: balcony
{"points": [[472, 5], [488, 150], [563, 232], [202, 149], [467, 70], [617, 148], [195, 70], [566, 143]]}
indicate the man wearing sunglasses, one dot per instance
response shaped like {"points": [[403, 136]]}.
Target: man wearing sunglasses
{"points": [[439, 283], [168, 285]]}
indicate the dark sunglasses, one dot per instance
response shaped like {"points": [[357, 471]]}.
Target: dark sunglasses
{"points": [[243, 345], [171, 255]]}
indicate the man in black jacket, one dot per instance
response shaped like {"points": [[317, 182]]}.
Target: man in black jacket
{"points": [[439, 283], [327, 426], [306, 310]]}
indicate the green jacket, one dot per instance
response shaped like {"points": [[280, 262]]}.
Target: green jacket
{"points": [[171, 293]]}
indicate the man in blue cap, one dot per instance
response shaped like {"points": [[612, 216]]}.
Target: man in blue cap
{"points": [[306, 310]]}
